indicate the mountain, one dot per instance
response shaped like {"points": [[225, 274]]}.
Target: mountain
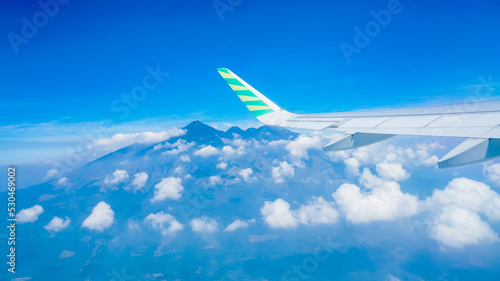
{"points": [[224, 175]]}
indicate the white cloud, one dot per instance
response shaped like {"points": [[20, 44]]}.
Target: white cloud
{"points": [[468, 194], [139, 181], [118, 141], [214, 180], [228, 151], [178, 170], [117, 177], [246, 174], [351, 167], [383, 203], [277, 214], [178, 147], [278, 143], [393, 278], [369, 180], [222, 165], [300, 145], [377, 153], [457, 227], [30, 214], [204, 224], [317, 211], [236, 224], [392, 171], [102, 217], [57, 224], [51, 173], [492, 172], [63, 181], [338, 156], [185, 158], [165, 223], [66, 254], [282, 170], [170, 188], [206, 151]]}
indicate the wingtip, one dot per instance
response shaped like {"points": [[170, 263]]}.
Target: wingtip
{"points": [[223, 69]]}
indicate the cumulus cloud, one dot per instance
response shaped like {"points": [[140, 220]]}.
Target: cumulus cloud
{"points": [[139, 181], [277, 214], [369, 180], [228, 151], [351, 167], [237, 224], [185, 158], [206, 151], [30, 214], [382, 203], [317, 211], [282, 170], [165, 223], [106, 145], [51, 173], [168, 188], [468, 194], [300, 145], [392, 171], [492, 172], [378, 153], [57, 224], [66, 254], [457, 227], [178, 170], [222, 165], [178, 147], [204, 224], [63, 181], [117, 177], [101, 218], [214, 180], [246, 174]]}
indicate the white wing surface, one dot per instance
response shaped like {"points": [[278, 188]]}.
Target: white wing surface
{"points": [[479, 121]]}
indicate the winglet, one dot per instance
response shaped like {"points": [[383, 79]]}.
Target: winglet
{"points": [[261, 107]]}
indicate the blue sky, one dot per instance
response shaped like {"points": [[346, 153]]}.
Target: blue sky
{"points": [[90, 54], [65, 88]]}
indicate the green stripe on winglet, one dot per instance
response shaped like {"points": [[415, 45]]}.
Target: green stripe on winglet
{"points": [[247, 93], [255, 102], [258, 113], [233, 81], [225, 70]]}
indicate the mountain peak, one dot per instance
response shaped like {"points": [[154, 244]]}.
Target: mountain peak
{"points": [[200, 127]]}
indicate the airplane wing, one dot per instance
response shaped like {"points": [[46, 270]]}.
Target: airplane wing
{"points": [[479, 122]]}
